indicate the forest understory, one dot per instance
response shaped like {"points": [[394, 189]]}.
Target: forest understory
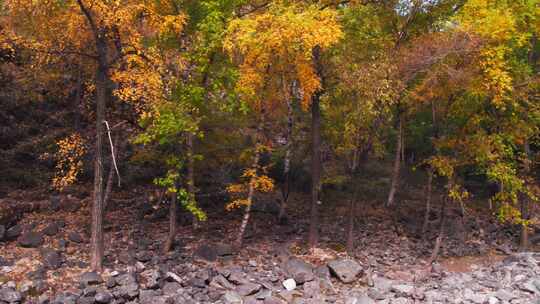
{"points": [[479, 260], [269, 151]]}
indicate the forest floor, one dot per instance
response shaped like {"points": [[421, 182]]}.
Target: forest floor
{"points": [[389, 264]]}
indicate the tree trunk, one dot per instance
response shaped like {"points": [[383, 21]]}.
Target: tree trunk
{"points": [[96, 245], [316, 154], [524, 238], [350, 226], [397, 164], [169, 244], [251, 190], [78, 101], [191, 174], [428, 204], [287, 162], [315, 172], [440, 237]]}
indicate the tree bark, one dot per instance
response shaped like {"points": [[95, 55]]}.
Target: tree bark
{"points": [[428, 204], [524, 237], [350, 226], [191, 174], [397, 164], [287, 162], [251, 190], [96, 261], [313, 237], [169, 244], [440, 237]]}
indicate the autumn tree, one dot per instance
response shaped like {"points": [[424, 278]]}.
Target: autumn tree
{"points": [[277, 47], [103, 34]]}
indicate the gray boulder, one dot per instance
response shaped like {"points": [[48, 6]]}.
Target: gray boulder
{"points": [[103, 297], [51, 229], [299, 270], [10, 295], [51, 258], [232, 297], [2, 232], [346, 270], [206, 252], [13, 232], [31, 239], [90, 278]]}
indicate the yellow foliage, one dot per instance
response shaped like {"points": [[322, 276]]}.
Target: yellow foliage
{"points": [[276, 48], [68, 161]]}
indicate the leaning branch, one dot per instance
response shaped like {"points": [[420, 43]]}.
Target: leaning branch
{"points": [[112, 151]]}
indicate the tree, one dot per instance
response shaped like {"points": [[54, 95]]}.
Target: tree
{"points": [[103, 34], [278, 47]]}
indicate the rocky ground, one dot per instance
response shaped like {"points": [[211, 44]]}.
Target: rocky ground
{"points": [[43, 260]]}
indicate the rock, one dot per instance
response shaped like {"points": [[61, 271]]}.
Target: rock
{"points": [[10, 295], [86, 300], [2, 232], [346, 270], [493, 300], [232, 297], [143, 256], [403, 290], [361, 299], [322, 272], [13, 232], [51, 229], [90, 278], [206, 252], [103, 297], [223, 249], [382, 284], [126, 279], [220, 281], [289, 284], [299, 270], [151, 297], [273, 300], [75, 237], [263, 294], [247, 289], [529, 286], [31, 239], [129, 291], [312, 288], [171, 288], [504, 295], [174, 276], [51, 258], [151, 278]]}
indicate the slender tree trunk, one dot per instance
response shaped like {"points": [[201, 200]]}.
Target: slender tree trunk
{"points": [[440, 237], [397, 164], [315, 173], [173, 209], [402, 148], [251, 190], [316, 154], [428, 204], [96, 261], [524, 238], [287, 162], [191, 173], [78, 99], [350, 225]]}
